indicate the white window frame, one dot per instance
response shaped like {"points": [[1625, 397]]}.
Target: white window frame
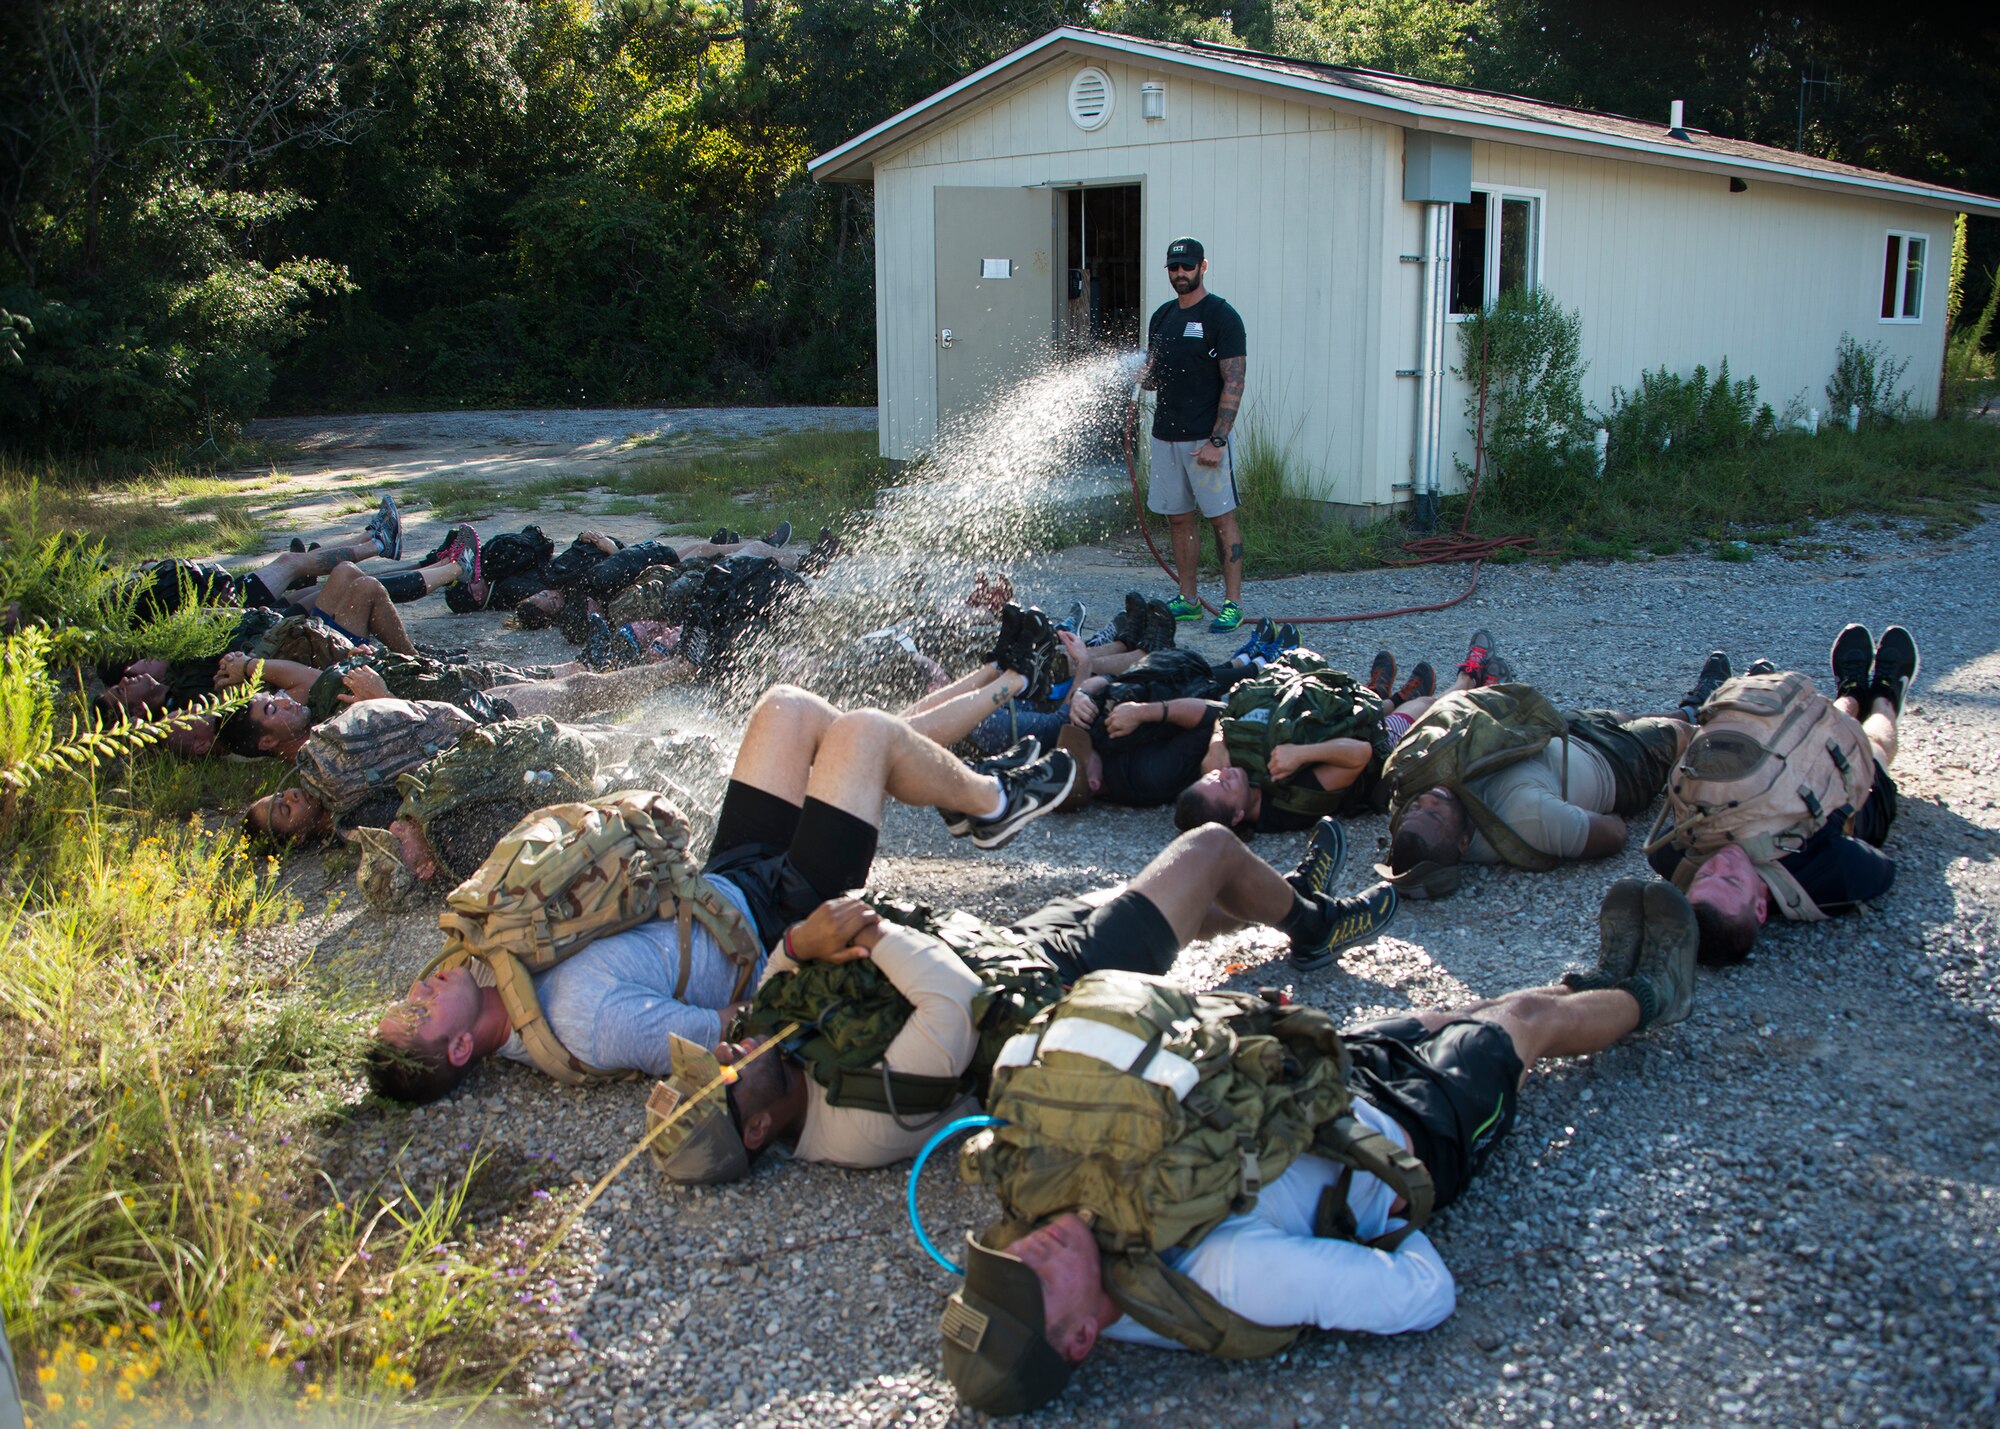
{"points": [[1489, 283], [1901, 238]]}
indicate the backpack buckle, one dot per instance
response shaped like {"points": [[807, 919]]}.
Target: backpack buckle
{"points": [[1253, 1176]]}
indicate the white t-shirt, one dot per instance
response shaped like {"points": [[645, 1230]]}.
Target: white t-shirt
{"points": [[937, 1041], [1271, 1269], [1529, 799]]}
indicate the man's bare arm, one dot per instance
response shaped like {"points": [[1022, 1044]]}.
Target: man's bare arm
{"points": [[1149, 375], [1232, 395]]}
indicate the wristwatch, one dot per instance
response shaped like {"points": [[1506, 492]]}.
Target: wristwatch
{"points": [[1222, 442]]}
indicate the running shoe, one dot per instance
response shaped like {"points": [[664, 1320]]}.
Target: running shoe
{"points": [[1009, 636], [1031, 791], [1714, 671], [1897, 665], [1162, 626], [1288, 636], [1018, 756], [1495, 671], [1382, 673], [1761, 667], [1325, 852], [1476, 653], [1853, 661], [1073, 621], [1226, 619], [1251, 649], [466, 538], [1423, 681], [1181, 608], [386, 526], [1350, 921], [468, 565], [780, 535], [819, 553]]}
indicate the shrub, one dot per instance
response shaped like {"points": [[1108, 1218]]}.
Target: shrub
{"points": [[1528, 349], [1679, 418], [1865, 376]]}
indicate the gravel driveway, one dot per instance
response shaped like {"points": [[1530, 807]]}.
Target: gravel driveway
{"points": [[1784, 1210]]}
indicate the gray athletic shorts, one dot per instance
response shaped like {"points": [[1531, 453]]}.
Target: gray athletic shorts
{"points": [[1179, 484]]}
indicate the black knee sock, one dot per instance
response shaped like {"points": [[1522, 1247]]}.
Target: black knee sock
{"points": [[405, 586], [1308, 918]]}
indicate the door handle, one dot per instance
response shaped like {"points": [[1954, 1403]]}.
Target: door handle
{"points": [[944, 337]]}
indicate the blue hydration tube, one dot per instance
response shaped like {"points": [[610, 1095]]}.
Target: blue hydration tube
{"points": [[964, 1123]]}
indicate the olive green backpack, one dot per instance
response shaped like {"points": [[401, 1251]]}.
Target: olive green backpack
{"points": [[851, 1012], [1161, 1113], [1465, 736], [527, 762], [1299, 699], [568, 875]]}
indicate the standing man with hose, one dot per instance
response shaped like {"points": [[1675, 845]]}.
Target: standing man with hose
{"points": [[1195, 355]]}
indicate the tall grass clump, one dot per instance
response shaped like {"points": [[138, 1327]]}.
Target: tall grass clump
{"points": [[1684, 418], [1283, 530]]}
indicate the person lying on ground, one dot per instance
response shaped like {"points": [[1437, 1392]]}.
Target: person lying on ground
{"points": [[1817, 865], [276, 725], [1567, 802], [167, 586], [1143, 627], [597, 567], [1204, 884], [798, 827], [325, 692], [1442, 1086]]}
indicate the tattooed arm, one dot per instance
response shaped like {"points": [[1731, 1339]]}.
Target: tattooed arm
{"points": [[1232, 395]]}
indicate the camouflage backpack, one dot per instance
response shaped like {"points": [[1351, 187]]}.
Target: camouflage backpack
{"points": [[1162, 1113], [1774, 760], [570, 874], [644, 599], [303, 640], [529, 763], [1300, 699], [851, 1012], [368, 745], [1465, 736]]}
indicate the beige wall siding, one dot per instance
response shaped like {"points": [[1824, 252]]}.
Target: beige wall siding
{"points": [[1290, 201], [1669, 268]]}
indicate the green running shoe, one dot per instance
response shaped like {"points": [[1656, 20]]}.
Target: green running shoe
{"points": [[1227, 618], [1181, 608]]}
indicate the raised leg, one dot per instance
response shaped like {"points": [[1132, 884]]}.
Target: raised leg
{"points": [[781, 741], [868, 756]]}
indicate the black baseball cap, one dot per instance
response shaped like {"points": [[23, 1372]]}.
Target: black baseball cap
{"points": [[1185, 250], [996, 1349]]}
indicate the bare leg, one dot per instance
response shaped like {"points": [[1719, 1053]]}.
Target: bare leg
{"points": [[1229, 550], [1879, 726], [979, 679], [1207, 881], [689, 550], [581, 695], [868, 756], [281, 570], [781, 741], [1552, 1021], [1414, 709], [1187, 551], [357, 602], [952, 721]]}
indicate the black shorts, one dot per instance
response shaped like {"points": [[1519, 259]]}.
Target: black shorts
{"points": [[1877, 811], [785, 859], [1454, 1090], [251, 591], [1128, 933], [1641, 753]]}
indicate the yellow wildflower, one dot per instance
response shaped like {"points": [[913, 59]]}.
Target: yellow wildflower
{"points": [[313, 1391], [47, 1373], [55, 1400], [85, 1362], [123, 1392], [381, 1362]]}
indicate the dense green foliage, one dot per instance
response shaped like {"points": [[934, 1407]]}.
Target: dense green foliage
{"points": [[1688, 417], [213, 207]]}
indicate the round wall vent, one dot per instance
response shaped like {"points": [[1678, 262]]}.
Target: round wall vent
{"points": [[1090, 97]]}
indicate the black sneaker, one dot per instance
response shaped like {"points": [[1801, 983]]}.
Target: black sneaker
{"points": [[1288, 636], [1017, 756], [1897, 665], [1038, 652], [1495, 670], [1714, 670], [1761, 667], [1621, 919], [597, 643], [1350, 921], [1009, 636], [1031, 792], [1423, 681], [1382, 673], [1662, 977], [1326, 851], [298, 546], [1853, 661], [819, 553], [1130, 624], [1161, 627], [781, 535], [1477, 651]]}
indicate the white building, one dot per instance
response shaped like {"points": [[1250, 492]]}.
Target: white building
{"points": [[1349, 215]]}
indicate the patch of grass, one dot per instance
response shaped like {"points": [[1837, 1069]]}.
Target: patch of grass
{"points": [[1936, 472], [808, 478], [159, 512], [1284, 533]]}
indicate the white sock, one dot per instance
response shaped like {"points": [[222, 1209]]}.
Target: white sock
{"points": [[999, 800]]}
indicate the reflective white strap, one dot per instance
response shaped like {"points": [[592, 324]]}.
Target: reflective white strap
{"points": [[1100, 1041]]}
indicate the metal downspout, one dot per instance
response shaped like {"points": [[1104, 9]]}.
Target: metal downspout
{"points": [[1430, 361], [1439, 273]]}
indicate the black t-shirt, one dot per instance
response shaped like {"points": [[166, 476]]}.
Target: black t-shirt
{"points": [[1147, 775], [1273, 820], [1188, 347]]}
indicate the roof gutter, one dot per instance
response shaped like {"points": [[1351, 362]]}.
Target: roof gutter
{"points": [[1439, 118]]}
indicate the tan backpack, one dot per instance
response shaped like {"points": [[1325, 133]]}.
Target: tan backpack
{"points": [[1773, 761], [568, 875]]}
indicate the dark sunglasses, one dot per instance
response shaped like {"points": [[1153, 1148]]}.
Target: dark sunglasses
{"points": [[1182, 267]]}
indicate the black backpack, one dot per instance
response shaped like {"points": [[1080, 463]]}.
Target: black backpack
{"points": [[735, 594]]}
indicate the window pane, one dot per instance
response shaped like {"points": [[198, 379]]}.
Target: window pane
{"points": [[1517, 244], [1892, 269], [1468, 255], [1913, 286]]}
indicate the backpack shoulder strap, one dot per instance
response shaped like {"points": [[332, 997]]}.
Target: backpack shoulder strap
{"points": [[1169, 1303], [1352, 1142]]}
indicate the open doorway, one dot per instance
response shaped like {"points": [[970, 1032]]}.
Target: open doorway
{"points": [[1103, 286]]}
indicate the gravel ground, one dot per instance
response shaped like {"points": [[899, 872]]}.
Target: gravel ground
{"points": [[1783, 1210]]}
